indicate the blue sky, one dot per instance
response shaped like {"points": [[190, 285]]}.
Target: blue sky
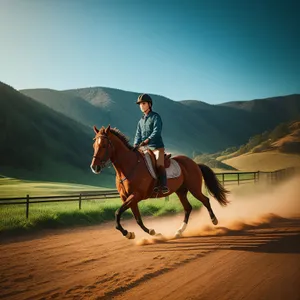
{"points": [[213, 51]]}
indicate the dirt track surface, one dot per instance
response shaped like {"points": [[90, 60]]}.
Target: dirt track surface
{"points": [[244, 259], [254, 263]]}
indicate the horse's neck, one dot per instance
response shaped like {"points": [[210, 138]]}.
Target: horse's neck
{"points": [[123, 159]]}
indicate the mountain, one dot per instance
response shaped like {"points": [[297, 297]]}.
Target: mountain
{"points": [[279, 106], [183, 130], [273, 110], [189, 126], [72, 106], [242, 119], [41, 144], [53, 128]]}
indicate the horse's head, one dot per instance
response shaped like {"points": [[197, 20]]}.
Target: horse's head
{"points": [[102, 149]]}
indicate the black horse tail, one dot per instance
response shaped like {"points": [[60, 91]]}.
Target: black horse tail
{"points": [[214, 186]]}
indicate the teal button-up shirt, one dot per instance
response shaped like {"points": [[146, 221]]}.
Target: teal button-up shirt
{"points": [[150, 127]]}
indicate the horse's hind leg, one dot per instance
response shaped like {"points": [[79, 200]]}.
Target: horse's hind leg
{"points": [[205, 200], [136, 212], [182, 195]]}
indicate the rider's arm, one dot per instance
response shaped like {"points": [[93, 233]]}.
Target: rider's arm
{"points": [[157, 128], [138, 136]]}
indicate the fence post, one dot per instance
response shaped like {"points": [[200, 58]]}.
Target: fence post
{"points": [[223, 178], [27, 206], [80, 201], [238, 174]]}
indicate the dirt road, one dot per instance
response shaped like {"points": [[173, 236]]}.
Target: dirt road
{"points": [[244, 259]]}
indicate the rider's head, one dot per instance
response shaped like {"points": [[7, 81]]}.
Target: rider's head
{"points": [[145, 102]]}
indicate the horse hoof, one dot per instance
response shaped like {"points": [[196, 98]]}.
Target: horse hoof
{"points": [[151, 231], [178, 234], [215, 221], [130, 235]]}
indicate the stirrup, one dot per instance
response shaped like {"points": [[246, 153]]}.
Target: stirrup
{"points": [[156, 189], [165, 190]]}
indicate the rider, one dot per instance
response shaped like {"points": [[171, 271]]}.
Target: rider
{"points": [[149, 133]]}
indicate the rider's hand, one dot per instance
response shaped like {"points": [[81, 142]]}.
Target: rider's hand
{"points": [[145, 142]]}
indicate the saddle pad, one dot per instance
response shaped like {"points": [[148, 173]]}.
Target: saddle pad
{"points": [[173, 171]]}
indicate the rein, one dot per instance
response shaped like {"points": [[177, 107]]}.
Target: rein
{"points": [[132, 170], [106, 161]]}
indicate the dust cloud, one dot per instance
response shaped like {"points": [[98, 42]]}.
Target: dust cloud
{"points": [[250, 205]]}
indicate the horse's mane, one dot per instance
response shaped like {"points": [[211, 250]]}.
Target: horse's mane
{"points": [[120, 135]]}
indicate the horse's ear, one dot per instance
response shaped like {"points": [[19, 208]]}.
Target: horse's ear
{"points": [[95, 129], [107, 130]]}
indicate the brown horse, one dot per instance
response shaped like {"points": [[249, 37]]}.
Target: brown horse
{"points": [[135, 183]]}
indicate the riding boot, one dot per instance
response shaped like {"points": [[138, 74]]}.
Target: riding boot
{"points": [[162, 178]]}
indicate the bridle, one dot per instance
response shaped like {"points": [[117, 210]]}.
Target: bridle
{"points": [[106, 161]]}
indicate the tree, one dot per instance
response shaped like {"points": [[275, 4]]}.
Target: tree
{"points": [[281, 130]]}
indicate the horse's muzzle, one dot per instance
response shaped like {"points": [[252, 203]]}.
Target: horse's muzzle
{"points": [[96, 169]]}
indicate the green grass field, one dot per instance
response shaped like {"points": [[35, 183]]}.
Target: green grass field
{"points": [[67, 214], [11, 187]]}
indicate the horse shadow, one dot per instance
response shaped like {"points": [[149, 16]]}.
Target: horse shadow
{"points": [[279, 236]]}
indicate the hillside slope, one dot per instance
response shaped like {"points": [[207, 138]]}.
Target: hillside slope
{"points": [[279, 148], [183, 130], [266, 161], [240, 120], [189, 125], [70, 105], [39, 143]]}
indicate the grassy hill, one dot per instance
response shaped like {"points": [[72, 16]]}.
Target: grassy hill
{"points": [[284, 138], [40, 144], [270, 150], [290, 142], [70, 105], [212, 161], [265, 161]]}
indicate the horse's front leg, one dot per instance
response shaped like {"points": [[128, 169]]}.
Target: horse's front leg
{"points": [[136, 212], [127, 203]]}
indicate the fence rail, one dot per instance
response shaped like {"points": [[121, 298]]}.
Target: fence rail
{"points": [[110, 194]]}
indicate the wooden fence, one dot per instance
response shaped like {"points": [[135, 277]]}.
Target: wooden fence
{"points": [[227, 177], [89, 195]]}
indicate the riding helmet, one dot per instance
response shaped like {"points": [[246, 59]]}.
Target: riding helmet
{"points": [[144, 98]]}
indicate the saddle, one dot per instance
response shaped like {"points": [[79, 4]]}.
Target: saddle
{"points": [[167, 161], [172, 168]]}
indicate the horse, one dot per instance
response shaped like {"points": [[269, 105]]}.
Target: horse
{"points": [[135, 183]]}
